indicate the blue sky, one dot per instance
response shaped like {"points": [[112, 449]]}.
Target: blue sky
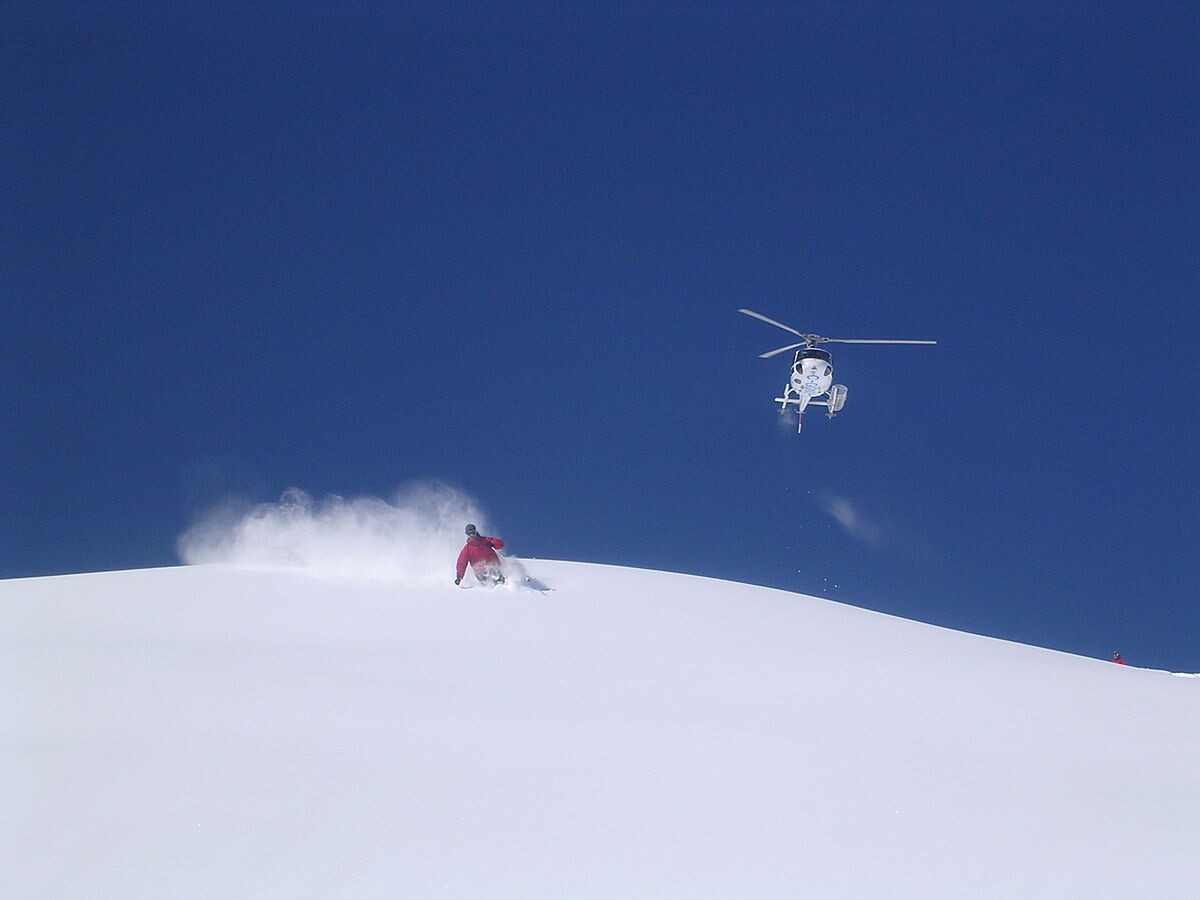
{"points": [[346, 247]]}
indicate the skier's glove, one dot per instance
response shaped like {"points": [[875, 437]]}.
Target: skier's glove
{"points": [[457, 580]]}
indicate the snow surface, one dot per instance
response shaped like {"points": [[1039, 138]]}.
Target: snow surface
{"points": [[216, 732]]}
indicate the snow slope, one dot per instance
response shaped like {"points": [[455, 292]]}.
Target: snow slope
{"points": [[213, 732]]}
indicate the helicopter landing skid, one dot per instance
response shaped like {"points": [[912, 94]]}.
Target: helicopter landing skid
{"points": [[833, 404], [790, 398]]}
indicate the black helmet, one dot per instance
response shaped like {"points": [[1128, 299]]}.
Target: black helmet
{"points": [[471, 529]]}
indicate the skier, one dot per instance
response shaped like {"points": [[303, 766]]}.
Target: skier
{"points": [[1117, 658], [480, 552]]}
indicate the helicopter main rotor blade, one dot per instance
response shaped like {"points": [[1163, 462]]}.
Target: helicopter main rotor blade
{"points": [[763, 318], [866, 341], [771, 353]]}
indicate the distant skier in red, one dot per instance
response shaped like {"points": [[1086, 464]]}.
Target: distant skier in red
{"points": [[1117, 658], [480, 552]]}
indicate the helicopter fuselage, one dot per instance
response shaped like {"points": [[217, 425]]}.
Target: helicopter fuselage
{"points": [[812, 374], [811, 381]]}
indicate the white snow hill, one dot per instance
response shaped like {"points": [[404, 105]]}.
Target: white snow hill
{"points": [[210, 732]]}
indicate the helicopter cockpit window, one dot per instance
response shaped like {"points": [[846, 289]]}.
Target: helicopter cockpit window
{"points": [[814, 353]]}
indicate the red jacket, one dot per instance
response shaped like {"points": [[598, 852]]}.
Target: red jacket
{"points": [[480, 552]]}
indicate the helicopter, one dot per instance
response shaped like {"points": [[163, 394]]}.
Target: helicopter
{"points": [[811, 381]]}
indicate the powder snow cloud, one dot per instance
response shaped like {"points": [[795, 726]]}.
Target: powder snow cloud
{"points": [[875, 531], [857, 525], [412, 539]]}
